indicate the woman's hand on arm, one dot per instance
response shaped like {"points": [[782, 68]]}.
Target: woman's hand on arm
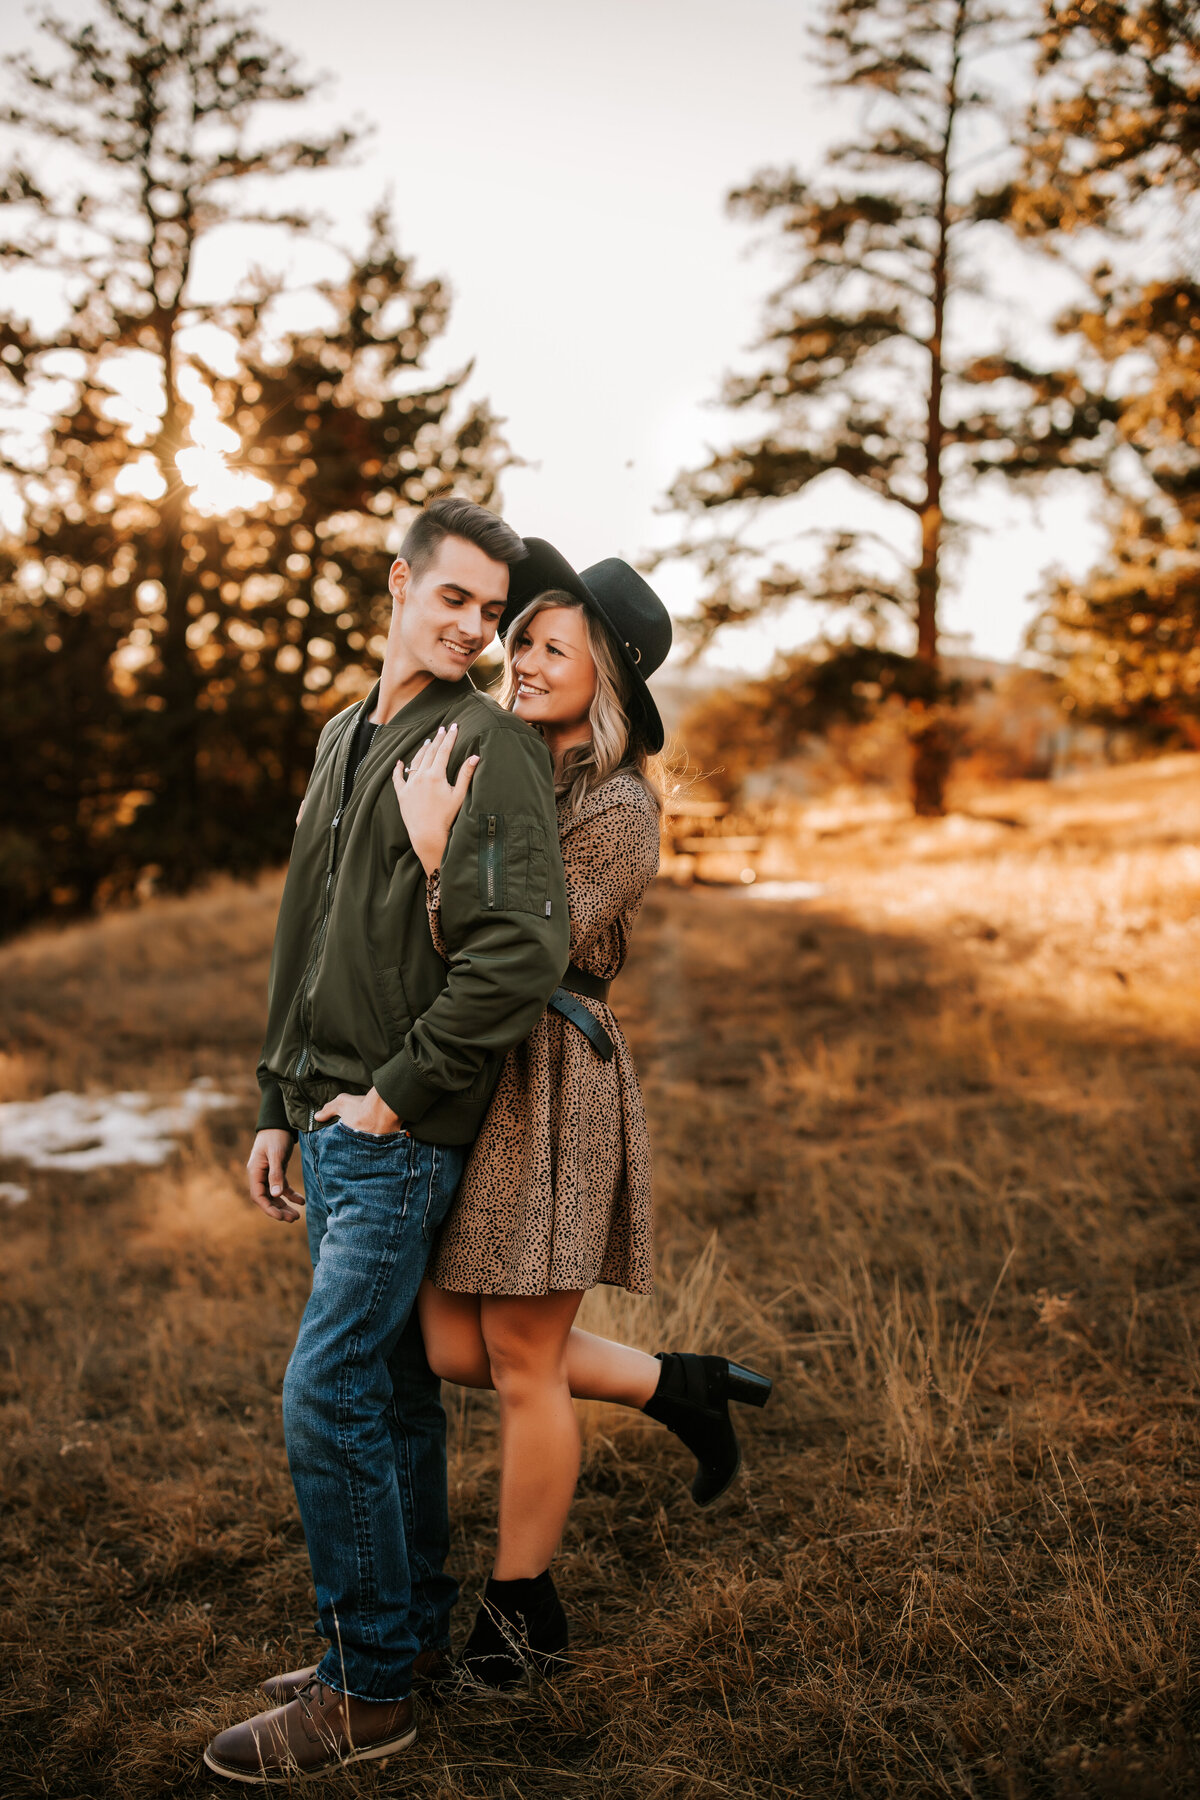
{"points": [[429, 802]]}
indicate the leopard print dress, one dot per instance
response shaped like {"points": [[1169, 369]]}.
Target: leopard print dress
{"points": [[556, 1194]]}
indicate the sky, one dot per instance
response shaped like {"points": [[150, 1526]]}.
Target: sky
{"points": [[564, 163]]}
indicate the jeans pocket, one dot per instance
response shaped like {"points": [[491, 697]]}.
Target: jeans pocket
{"points": [[400, 1136]]}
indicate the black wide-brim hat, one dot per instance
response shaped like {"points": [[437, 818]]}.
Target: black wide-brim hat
{"points": [[636, 619]]}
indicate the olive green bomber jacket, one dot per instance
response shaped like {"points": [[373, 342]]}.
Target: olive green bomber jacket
{"points": [[358, 996]]}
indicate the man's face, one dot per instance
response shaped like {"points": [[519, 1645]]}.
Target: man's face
{"points": [[450, 611]]}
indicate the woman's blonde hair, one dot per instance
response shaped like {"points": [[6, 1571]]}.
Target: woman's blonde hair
{"points": [[615, 742]]}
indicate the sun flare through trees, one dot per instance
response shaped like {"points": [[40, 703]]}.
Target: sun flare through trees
{"points": [[203, 485]]}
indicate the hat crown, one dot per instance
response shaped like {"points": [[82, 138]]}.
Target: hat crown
{"points": [[632, 610]]}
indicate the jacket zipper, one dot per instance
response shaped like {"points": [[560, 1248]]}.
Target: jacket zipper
{"points": [[491, 859], [310, 974], [318, 944], [319, 938]]}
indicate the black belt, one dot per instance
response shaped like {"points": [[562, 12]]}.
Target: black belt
{"points": [[563, 1000]]}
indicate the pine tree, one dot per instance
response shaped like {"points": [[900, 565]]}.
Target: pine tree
{"points": [[862, 375], [288, 604], [169, 662], [1117, 110], [1126, 639], [1114, 142], [150, 113]]}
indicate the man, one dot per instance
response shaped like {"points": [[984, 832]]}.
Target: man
{"points": [[382, 1060]]}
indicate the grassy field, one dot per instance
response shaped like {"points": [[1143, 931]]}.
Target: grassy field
{"points": [[926, 1149]]}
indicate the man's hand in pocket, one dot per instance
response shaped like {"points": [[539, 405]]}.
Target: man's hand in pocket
{"points": [[368, 1113]]}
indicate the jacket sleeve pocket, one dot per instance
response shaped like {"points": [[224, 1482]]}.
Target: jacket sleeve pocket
{"points": [[514, 868], [492, 884]]}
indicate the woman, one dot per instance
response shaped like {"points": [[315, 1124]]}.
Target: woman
{"points": [[556, 1196]]}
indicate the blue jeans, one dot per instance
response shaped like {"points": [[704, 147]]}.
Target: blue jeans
{"points": [[362, 1412]]}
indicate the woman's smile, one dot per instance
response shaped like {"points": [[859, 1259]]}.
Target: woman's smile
{"points": [[554, 671]]}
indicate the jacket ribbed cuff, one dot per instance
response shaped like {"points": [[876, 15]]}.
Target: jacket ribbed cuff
{"points": [[407, 1093], [272, 1113]]}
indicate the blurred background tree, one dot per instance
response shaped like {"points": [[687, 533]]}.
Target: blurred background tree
{"points": [[865, 376], [205, 493], [1114, 142], [1126, 638], [1116, 113], [287, 601], [824, 693]]}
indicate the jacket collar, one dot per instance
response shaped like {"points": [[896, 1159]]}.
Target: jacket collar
{"points": [[432, 701]]}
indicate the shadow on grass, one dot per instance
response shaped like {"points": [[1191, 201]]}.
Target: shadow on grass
{"points": [[958, 1227]]}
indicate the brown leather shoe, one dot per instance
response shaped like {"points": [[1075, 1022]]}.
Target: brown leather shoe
{"points": [[429, 1667], [279, 1689], [318, 1730]]}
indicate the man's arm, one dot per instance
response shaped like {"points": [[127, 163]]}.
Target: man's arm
{"points": [[267, 1168], [270, 1153], [505, 920], [272, 1114]]}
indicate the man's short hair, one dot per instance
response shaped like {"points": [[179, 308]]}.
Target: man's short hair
{"points": [[459, 518]]}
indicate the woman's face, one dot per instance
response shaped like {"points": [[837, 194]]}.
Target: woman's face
{"points": [[555, 674]]}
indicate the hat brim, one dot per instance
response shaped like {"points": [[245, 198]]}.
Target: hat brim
{"points": [[546, 569]]}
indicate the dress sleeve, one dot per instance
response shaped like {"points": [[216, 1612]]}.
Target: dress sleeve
{"points": [[433, 908], [610, 859]]}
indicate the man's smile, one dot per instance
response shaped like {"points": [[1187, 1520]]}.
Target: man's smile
{"points": [[468, 652]]}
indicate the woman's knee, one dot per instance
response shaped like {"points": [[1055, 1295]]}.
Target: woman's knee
{"points": [[521, 1356]]}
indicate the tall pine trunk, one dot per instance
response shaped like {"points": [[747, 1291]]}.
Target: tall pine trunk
{"points": [[177, 818], [176, 738], [931, 738]]}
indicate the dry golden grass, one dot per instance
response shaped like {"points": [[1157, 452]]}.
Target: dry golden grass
{"points": [[944, 1126]]}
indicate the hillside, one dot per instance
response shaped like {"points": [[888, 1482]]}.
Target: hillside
{"points": [[926, 1148]]}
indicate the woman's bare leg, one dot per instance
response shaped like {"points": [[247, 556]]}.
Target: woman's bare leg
{"points": [[453, 1336], [526, 1343], [597, 1368]]}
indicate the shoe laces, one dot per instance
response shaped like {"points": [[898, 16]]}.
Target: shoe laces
{"points": [[312, 1691]]}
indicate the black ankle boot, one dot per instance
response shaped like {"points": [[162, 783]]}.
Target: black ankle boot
{"points": [[520, 1626], [692, 1400]]}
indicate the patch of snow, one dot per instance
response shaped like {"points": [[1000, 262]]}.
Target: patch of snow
{"points": [[12, 1193], [77, 1132], [785, 890]]}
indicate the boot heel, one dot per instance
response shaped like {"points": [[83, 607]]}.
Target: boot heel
{"points": [[747, 1385]]}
